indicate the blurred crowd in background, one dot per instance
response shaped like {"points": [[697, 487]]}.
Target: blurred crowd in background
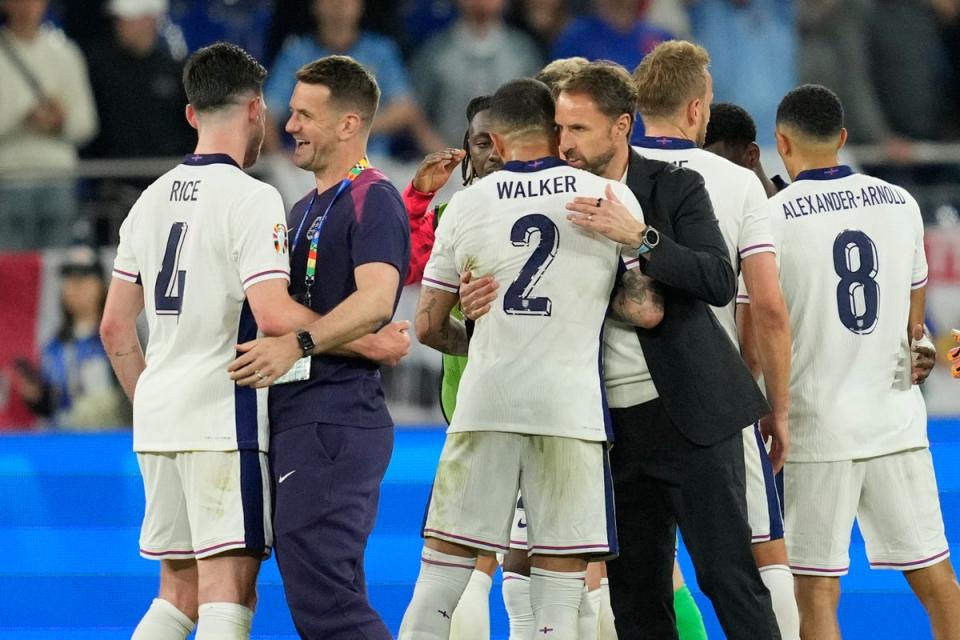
{"points": [[99, 80]]}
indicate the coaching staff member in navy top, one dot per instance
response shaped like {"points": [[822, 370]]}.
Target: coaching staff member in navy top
{"points": [[331, 434]]}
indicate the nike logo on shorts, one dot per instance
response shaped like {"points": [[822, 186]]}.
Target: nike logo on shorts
{"points": [[521, 524], [285, 476]]}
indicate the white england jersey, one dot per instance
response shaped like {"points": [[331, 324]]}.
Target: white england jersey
{"points": [[535, 357], [196, 239], [851, 251], [739, 203]]}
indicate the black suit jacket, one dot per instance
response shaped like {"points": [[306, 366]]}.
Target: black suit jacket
{"points": [[704, 385]]}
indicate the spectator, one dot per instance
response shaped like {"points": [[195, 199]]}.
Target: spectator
{"points": [[46, 112], [612, 32], [338, 32], [75, 387], [544, 20], [137, 87], [834, 37], [472, 57], [910, 67], [752, 49]]}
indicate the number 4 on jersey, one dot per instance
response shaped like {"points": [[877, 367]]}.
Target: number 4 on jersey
{"points": [[168, 292]]}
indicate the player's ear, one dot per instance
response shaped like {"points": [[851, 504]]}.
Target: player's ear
{"points": [[752, 154], [843, 138], [783, 144], [191, 115], [693, 111]]}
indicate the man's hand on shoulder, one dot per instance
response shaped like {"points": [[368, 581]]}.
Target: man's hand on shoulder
{"points": [[608, 217], [436, 169]]}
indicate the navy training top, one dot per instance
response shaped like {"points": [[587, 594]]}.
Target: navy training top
{"points": [[367, 223]]}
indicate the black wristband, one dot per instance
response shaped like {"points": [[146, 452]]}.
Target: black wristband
{"points": [[469, 324]]}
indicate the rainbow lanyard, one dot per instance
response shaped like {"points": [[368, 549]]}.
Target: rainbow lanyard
{"points": [[311, 273]]}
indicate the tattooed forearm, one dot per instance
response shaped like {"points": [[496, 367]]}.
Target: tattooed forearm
{"points": [[435, 326], [638, 300]]}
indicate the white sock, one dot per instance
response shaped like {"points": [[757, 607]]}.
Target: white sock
{"points": [[516, 599], [589, 621], [607, 629], [163, 621], [224, 621], [779, 581], [471, 618], [555, 596], [442, 581]]}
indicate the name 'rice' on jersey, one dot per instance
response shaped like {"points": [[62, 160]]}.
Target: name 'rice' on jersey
{"points": [[535, 357], [196, 239], [851, 252], [739, 203]]}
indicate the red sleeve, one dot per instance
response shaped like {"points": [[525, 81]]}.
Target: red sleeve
{"points": [[421, 231]]}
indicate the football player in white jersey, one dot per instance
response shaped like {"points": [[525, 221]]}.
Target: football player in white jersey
{"points": [[853, 272], [518, 423], [674, 133], [204, 253]]}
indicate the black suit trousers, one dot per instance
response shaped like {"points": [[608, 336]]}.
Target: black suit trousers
{"points": [[662, 481]]}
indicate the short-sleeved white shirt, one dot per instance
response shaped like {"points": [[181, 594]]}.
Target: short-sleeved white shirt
{"points": [[196, 239], [851, 251], [739, 203], [534, 363]]}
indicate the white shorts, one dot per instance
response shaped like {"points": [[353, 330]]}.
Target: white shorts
{"points": [[763, 502], [894, 498], [201, 503], [566, 485], [518, 531]]}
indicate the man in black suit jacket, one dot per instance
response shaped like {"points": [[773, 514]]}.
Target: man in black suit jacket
{"points": [[682, 392]]}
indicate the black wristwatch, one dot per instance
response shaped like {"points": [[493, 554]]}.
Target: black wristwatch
{"points": [[651, 238], [305, 340]]}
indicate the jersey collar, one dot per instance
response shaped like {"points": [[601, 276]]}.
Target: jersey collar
{"points": [[201, 159], [530, 166], [664, 142], [827, 173]]}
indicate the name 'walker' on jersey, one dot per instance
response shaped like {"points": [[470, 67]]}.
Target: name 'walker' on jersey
{"points": [[196, 239], [534, 358], [851, 251]]}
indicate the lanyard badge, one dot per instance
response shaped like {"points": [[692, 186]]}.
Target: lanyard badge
{"points": [[313, 233]]}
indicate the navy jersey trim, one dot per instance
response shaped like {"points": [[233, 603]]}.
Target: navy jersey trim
{"points": [[664, 142], [251, 497], [245, 398], [531, 166], [203, 159], [827, 173], [774, 510]]}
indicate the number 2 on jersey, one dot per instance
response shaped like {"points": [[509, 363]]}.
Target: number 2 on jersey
{"points": [[518, 301], [168, 291], [858, 294]]}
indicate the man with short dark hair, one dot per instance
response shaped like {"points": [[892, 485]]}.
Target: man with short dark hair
{"points": [[203, 253], [540, 429], [732, 134], [854, 275], [331, 432]]}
